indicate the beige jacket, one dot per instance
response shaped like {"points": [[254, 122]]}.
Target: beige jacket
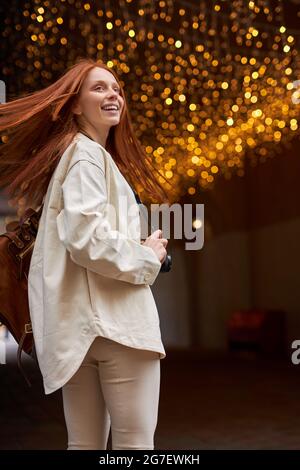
{"points": [[82, 285]]}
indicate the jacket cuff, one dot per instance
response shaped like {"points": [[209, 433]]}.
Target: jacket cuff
{"points": [[152, 268]]}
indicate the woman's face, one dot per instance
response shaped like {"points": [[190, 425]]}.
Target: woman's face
{"points": [[100, 103]]}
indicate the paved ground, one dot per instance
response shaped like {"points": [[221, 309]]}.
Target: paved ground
{"points": [[207, 402]]}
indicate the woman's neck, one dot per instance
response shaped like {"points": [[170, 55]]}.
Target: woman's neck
{"points": [[97, 136]]}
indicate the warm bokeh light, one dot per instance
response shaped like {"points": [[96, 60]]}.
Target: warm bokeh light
{"points": [[206, 88]]}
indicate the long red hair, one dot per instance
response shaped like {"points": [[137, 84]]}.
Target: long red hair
{"points": [[41, 125]]}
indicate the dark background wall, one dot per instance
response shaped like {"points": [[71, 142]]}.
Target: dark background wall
{"points": [[250, 258]]}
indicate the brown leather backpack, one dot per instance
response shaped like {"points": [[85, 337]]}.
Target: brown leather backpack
{"points": [[16, 246]]}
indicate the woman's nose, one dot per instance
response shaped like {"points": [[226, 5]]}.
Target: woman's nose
{"points": [[113, 92]]}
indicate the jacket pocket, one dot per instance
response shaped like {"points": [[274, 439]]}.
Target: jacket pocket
{"points": [[90, 290]]}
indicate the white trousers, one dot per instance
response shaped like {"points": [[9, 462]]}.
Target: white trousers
{"points": [[116, 386]]}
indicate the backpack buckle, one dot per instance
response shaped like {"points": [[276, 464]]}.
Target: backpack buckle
{"points": [[28, 328]]}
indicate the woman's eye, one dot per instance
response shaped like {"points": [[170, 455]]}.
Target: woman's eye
{"points": [[101, 88]]}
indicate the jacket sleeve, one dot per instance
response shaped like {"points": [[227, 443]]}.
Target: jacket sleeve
{"points": [[80, 228]]}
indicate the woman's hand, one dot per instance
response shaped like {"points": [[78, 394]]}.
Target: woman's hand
{"points": [[157, 244]]}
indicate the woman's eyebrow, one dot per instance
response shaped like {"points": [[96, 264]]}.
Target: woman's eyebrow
{"points": [[105, 83]]}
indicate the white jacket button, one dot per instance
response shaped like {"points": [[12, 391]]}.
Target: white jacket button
{"points": [[85, 330], [147, 276]]}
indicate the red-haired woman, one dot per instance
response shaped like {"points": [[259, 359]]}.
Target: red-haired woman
{"points": [[95, 322]]}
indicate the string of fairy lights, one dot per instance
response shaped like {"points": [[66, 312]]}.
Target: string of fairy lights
{"points": [[211, 85]]}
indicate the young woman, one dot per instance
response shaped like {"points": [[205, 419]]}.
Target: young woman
{"points": [[95, 322]]}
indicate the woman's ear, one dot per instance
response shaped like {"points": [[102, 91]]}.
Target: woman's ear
{"points": [[76, 109]]}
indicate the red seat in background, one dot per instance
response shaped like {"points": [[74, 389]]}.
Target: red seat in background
{"points": [[263, 331]]}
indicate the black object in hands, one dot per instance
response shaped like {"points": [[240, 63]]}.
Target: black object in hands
{"points": [[166, 265]]}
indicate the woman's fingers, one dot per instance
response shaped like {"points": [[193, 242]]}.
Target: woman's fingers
{"points": [[156, 234], [164, 241]]}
